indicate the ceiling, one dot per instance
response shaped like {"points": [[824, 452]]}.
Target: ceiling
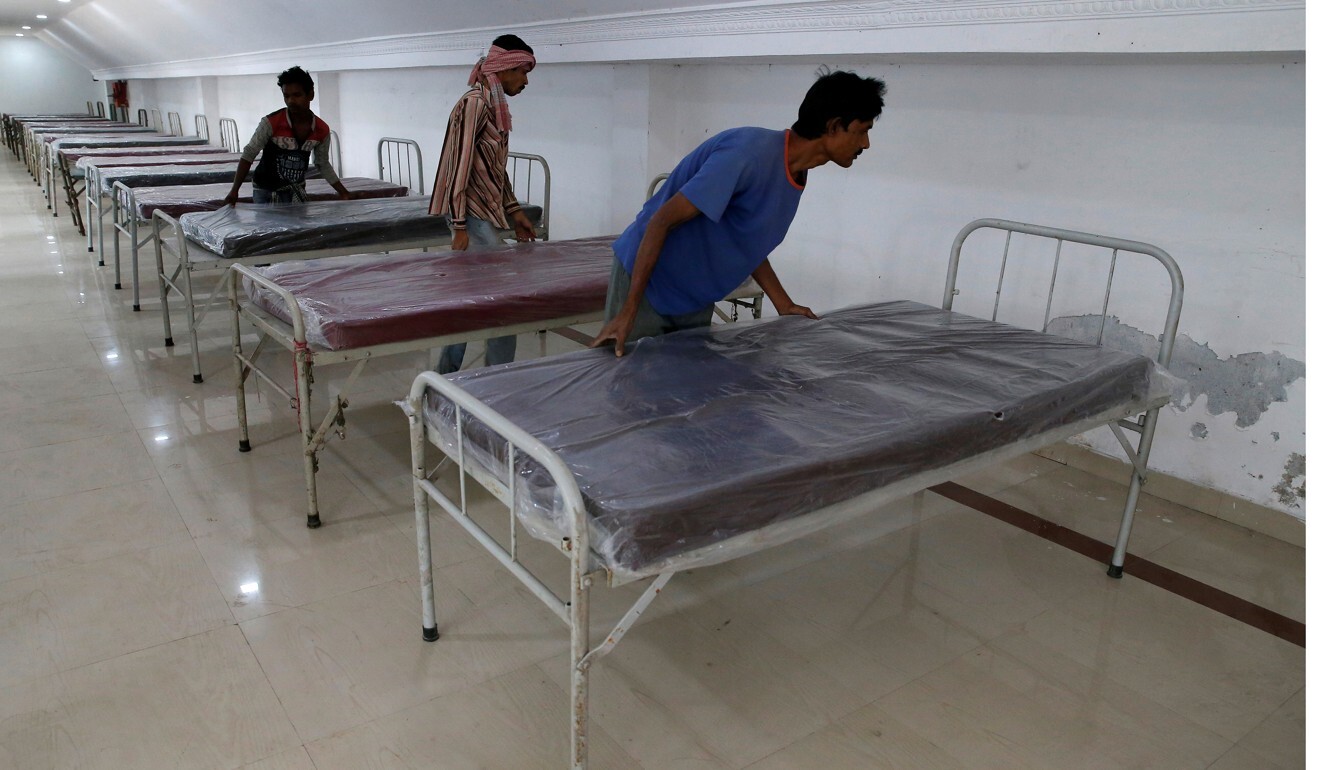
{"points": [[185, 38], [16, 13]]}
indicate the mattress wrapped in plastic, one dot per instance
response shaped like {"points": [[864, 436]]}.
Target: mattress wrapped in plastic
{"points": [[150, 156], [54, 132], [249, 231], [356, 301], [122, 140], [177, 200], [172, 174], [695, 439]]}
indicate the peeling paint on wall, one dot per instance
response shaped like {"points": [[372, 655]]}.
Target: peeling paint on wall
{"points": [[1245, 384], [1291, 489], [1199, 430]]}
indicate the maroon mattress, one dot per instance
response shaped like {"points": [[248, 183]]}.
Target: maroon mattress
{"points": [[177, 200], [357, 301]]}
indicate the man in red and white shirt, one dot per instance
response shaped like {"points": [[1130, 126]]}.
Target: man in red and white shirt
{"points": [[472, 188], [284, 139]]}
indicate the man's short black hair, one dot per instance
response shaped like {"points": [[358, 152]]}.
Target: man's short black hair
{"points": [[512, 43], [839, 94], [297, 76]]}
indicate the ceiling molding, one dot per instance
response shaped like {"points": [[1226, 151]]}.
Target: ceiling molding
{"points": [[812, 28]]}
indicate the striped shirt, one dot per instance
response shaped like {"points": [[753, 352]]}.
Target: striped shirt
{"points": [[471, 180]]}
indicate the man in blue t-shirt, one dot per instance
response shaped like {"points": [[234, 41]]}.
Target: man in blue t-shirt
{"points": [[724, 208]]}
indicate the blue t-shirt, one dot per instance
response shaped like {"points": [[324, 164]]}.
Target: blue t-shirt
{"points": [[740, 182]]}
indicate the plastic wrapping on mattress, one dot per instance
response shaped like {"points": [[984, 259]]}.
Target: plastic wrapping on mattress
{"points": [[697, 438], [61, 131], [249, 231], [121, 140], [175, 174], [177, 200], [356, 301], [173, 156]]}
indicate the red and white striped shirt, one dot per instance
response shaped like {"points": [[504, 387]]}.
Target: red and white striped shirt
{"points": [[471, 179]]}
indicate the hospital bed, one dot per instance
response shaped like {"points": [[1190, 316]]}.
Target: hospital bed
{"points": [[627, 470], [119, 182], [210, 243], [37, 139], [132, 209], [360, 308], [73, 164], [11, 125], [49, 149]]}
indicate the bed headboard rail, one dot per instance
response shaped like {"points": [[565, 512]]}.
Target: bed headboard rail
{"points": [[229, 134], [527, 173], [1061, 236], [400, 161]]}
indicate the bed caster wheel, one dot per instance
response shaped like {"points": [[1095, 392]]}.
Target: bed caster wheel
{"points": [[430, 634], [1115, 571], [245, 446], [100, 264], [118, 286], [197, 378], [90, 249], [169, 342], [137, 308], [314, 521]]}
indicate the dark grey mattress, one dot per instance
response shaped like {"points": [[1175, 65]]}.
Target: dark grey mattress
{"points": [[123, 140], [252, 230], [167, 174], [698, 437]]}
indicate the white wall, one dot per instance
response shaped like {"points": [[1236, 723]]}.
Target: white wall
{"points": [[1200, 155], [34, 78]]}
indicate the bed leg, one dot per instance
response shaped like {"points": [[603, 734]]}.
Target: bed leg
{"points": [[240, 393], [422, 514], [191, 308], [114, 221], [137, 290], [87, 206], [578, 638], [303, 362], [100, 227], [1134, 491], [164, 285]]}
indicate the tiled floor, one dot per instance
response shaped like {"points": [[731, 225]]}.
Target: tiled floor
{"points": [[163, 606]]}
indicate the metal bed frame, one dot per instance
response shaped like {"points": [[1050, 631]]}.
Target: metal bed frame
{"points": [[403, 156], [201, 127], [293, 338], [96, 201], [229, 135], [189, 258], [583, 574], [47, 161], [124, 220]]}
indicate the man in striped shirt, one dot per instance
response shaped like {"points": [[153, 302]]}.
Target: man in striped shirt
{"points": [[472, 188]]}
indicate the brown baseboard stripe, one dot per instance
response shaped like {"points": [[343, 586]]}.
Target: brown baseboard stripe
{"points": [[1208, 596]]}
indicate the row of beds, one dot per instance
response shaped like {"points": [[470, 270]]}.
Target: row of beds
{"points": [[694, 449]]}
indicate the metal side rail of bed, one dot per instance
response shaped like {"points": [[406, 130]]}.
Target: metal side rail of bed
{"points": [[506, 441], [188, 259]]}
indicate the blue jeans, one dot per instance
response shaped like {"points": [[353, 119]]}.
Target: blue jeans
{"points": [[499, 350], [260, 195]]}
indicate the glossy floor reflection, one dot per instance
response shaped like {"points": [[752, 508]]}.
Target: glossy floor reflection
{"points": [[163, 606]]}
